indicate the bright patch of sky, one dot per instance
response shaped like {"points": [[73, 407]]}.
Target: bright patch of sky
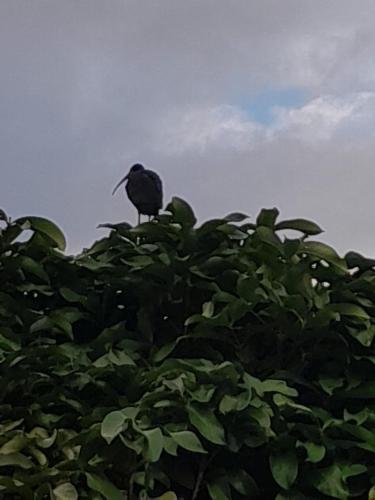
{"points": [[260, 107]]}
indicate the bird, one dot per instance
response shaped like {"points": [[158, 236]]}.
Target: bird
{"points": [[144, 189]]}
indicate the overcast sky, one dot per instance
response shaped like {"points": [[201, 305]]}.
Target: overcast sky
{"points": [[238, 104]]}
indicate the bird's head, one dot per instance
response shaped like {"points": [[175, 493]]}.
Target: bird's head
{"points": [[137, 167]]}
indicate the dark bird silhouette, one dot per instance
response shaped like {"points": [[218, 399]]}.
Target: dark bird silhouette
{"points": [[144, 189]]}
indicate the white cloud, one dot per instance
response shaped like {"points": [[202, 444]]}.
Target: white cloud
{"points": [[228, 127], [323, 117], [221, 127]]}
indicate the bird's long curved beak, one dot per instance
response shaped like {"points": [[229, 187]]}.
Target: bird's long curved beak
{"points": [[119, 184]]}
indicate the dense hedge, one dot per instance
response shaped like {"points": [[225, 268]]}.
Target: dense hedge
{"points": [[220, 361]]}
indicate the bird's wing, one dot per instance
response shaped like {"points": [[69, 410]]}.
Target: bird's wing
{"points": [[155, 179], [157, 185], [145, 187]]}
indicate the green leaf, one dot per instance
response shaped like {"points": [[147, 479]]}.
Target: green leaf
{"points": [[104, 487], [164, 351], [236, 217], [208, 309], [244, 484], [267, 235], [303, 225], [330, 384], [182, 212], [112, 425], [279, 386], [359, 418], [45, 227], [168, 495], [71, 296], [315, 452], [234, 403], [170, 446], [3, 216], [65, 491], [31, 266], [349, 310], [207, 424], [267, 217], [219, 489], [17, 443], [155, 442], [121, 226], [284, 467], [17, 459], [324, 252], [188, 440], [329, 481]]}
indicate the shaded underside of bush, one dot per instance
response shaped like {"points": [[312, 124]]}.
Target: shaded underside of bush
{"points": [[226, 360]]}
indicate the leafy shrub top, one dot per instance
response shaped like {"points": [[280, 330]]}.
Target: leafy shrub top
{"points": [[221, 361]]}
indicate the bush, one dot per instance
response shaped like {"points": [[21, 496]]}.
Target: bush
{"points": [[220, 361]]}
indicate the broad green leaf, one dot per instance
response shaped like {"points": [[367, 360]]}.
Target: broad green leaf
{"points": [[352, 470], [104, 487], [267, 235], [16, 459], [65, 491], [169, 495], [164, 351], [72, 296], [170, 446], [329, 481], [236, 217], [167, 349], [121, 226], [303, 225], [280, 386], [208, 309], [35, 268], [371, 493], [203, 394], [154, 447], [45, 227], [207, 424], [112, 425], [324, 252], [120, 358], [234, 403], [315, 452], [284, 467], [188, 440], [3, 216], [267, 217], [330, 384], [8, 344], [359, 418], [17, 443], [364, 337], [44, 440], [182, 212], [349, 310], [40, 457], [244, 484], [219, 489]]}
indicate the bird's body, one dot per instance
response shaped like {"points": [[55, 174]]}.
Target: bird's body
{"points": [[144, 189]]}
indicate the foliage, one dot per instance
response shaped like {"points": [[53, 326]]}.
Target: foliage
{"points": [[174, 361]]}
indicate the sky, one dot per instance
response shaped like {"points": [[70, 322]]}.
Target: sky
{"points": [[238, 105]]}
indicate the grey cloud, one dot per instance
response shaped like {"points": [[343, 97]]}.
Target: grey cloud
{"points": [[85, 84]]}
